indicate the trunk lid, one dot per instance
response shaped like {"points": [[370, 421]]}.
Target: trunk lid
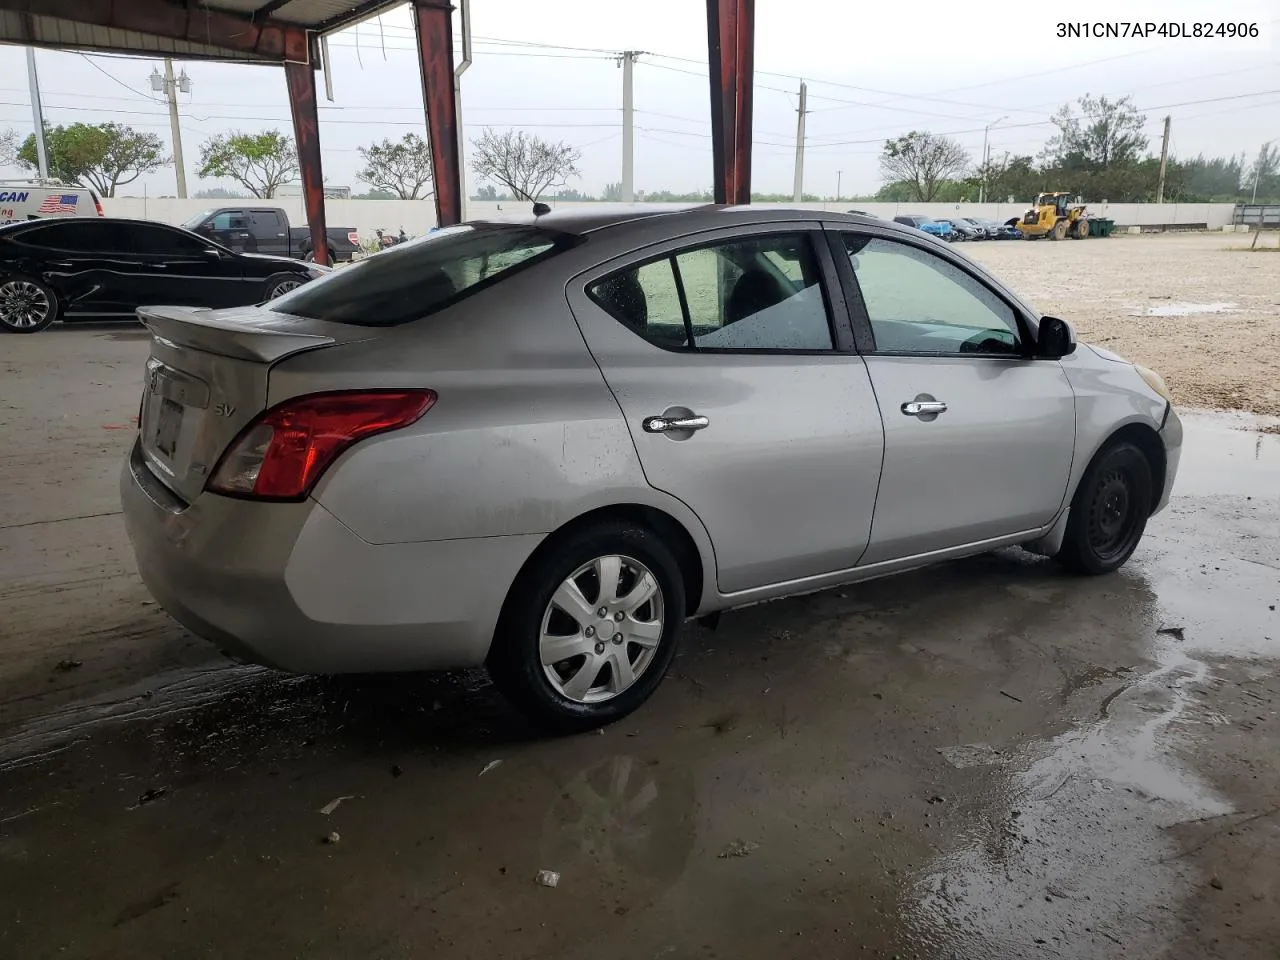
{"points": [[206, 379]]}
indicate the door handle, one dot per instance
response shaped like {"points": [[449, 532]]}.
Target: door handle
{"points": [[674, 424], [924, 408], [244, 236]]}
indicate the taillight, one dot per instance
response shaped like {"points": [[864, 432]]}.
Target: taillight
{"points": [[98, 206], [353, 238], [281, 454]]}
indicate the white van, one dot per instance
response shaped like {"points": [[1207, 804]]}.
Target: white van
{"points": [[36, 199]]}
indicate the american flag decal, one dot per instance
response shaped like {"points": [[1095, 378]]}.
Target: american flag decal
{"points": [[59, 203]]}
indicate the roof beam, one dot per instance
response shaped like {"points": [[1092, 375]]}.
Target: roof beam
{"points": [[265, 39]]}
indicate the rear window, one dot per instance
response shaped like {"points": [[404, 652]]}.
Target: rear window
{"points": [[416, 278]]}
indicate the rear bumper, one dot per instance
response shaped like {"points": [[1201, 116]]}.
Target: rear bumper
{"points": [[288, 585]]}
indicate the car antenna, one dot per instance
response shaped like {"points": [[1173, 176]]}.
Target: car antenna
{"points": [[540, 208]]}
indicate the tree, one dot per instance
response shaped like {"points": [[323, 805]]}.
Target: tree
{"points": [[10, 144], [1107, 133], [612, 192], [99, 155], [260, 162], [924, 160], [1264, 169], [527, 165], [403, 167], [220, 193]]}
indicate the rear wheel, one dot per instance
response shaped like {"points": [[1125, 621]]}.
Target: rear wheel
{"points": [[26, 306], [1081, 231], [1108, 512], [590, 628], [1059, 231]]}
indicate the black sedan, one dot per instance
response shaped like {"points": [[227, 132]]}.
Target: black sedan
{"points": [[104, 269]]}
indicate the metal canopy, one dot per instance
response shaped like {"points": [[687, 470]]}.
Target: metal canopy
{"points": [[258, 31], [285, 32]]}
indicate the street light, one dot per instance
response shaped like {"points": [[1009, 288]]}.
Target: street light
{"points": [[986, 159]]}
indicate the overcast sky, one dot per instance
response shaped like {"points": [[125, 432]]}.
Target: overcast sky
{"points": [[873, 70]]}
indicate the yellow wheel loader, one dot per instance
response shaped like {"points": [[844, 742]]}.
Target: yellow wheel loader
{"points": [[1056, 216]]}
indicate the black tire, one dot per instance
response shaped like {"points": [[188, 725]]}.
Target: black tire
{"points": [[33, 308], [515, 660], [282, 284], [311, 257], [1108, 512]]}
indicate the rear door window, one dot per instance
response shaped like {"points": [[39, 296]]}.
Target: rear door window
{"points": [[758, 293], [414, 279]]}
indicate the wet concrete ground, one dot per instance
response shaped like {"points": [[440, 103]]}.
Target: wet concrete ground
{"points": [[987, 759]]}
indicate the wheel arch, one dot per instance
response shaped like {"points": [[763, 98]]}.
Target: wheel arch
{"points": [[1146, 439], [674, 534]]}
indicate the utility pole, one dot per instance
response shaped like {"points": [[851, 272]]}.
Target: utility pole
{"points": [[1164, 160], [986, 160], [627, 60], [458, 71], [170, 87], [37, 113], [839, 174], [797, 192]]}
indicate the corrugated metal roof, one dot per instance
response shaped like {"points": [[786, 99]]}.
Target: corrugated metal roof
{"points": [[55, 32], [67, 31]]}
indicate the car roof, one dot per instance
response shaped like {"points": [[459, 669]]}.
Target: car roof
{"points": [[580, 221]]}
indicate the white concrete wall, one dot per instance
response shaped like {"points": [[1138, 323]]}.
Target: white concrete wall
{"points": [[418, 216]]}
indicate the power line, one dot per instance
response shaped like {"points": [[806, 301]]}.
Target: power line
{"points": [[115, 79]]}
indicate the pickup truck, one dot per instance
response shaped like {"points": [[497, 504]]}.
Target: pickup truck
{"points": [[266, 230]]}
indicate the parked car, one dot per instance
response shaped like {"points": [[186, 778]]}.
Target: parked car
{"points": [[106, 269], [22, 200], [266, 230], [927, 225], [542, 446], [995, 229], [963, 229], [983, 227]]}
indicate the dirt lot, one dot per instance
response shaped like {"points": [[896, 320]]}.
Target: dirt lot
{"points": [[1195, 307], [986, 759]]}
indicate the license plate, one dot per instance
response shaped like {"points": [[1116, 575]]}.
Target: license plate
{"points": [[168, 425]]}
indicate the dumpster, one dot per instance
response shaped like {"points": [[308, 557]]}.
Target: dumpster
{"points": [[1101, 227]]}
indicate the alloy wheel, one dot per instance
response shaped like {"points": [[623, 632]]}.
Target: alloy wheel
{"points": [[23, 305], [284, 286], [601, 629]]}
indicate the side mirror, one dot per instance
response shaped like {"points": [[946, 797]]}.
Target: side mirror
{"points": [[1055, 339]]}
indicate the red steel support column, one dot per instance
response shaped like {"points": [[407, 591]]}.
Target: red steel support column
{"points": [[301, 78], [731, 29], [434, 19]]}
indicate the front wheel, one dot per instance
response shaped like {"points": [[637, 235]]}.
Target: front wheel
{"points": [[1108, 512], [26, 306], [590, 628], [278, 286]]}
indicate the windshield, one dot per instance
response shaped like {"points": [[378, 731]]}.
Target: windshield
{"points": [[413, 279], [198, 219]]}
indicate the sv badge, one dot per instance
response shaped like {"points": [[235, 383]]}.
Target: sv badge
{"points": [[224, 409]]}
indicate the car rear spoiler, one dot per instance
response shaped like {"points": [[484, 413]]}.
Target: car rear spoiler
{"points": [[246, 333]]}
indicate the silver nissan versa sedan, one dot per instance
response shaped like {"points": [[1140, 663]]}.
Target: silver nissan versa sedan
{"points": [[541, 446]]}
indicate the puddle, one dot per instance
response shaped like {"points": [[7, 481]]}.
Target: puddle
{"points": [[1227, 454], [1091, 807], [1180, 308]]}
